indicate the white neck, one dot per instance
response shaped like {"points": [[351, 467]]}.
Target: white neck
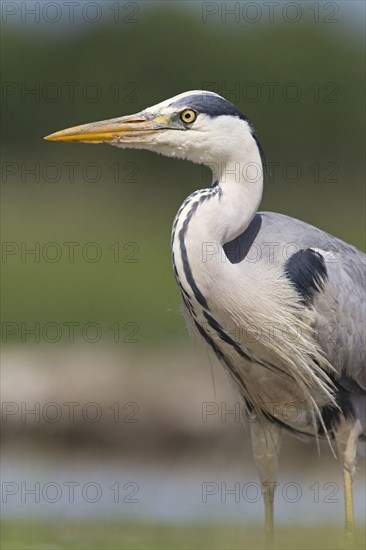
{"points": [[209, 218], [235, 205], [228, 213]]}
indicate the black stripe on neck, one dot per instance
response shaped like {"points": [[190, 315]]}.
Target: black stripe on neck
{"points": [[204, 194], [186, 265]]}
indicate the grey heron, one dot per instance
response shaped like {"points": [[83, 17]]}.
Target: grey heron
{"points": [[297, 307]]}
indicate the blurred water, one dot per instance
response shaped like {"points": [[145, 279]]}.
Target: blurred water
{"points": [[34, 487]]}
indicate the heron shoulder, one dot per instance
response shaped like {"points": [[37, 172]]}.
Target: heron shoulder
{"points": [[328, 275]]}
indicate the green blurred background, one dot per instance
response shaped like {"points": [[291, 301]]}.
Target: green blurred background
{"points": [[298, 76], [169, 49]]}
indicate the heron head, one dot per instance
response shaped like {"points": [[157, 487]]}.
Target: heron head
{"points": [[199, 126]]}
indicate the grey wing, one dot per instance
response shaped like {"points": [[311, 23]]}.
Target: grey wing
{"points": [[330, 277]]}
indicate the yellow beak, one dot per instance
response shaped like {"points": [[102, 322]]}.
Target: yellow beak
{"points": [[131, 129]]}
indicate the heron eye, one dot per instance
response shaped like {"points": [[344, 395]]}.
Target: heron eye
{"points": [[188, 116]]}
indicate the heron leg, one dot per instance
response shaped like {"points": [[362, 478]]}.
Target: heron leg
{"points": [[346, 435], [266, 443]]}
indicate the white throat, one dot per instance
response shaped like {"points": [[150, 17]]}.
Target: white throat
{"points": [[211, 217], [239, 177]]}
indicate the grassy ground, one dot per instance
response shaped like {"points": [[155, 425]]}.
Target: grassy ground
{"points": [[21, 535]]}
